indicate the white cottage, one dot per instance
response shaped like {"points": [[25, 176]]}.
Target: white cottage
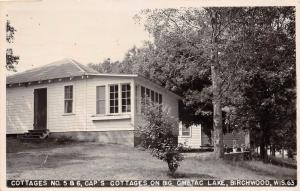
{"points": [[70, 99]]}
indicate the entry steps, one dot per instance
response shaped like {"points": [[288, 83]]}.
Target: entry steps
{"points": [[35, 135]]}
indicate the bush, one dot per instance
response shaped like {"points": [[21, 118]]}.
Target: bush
{"points": [[158, 133]]}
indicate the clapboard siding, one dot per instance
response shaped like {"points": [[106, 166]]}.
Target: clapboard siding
{"points": [[104, 125], [20, 107], [19, 110], [193, 141], [199, 138], [170, 102], [57, 120]]}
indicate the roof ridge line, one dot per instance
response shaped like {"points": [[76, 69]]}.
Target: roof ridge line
{"points": [[77, 65]]}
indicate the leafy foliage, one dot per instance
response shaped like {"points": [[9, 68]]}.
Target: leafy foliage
{"points": [[159, 135], [242, 58], [11, 59]]}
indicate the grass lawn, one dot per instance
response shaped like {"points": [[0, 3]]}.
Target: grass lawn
{"points": [[86, 160]]}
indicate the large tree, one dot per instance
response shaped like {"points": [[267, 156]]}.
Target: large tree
{"points": [[268, 98], [212, 57], [191, 46], [11, 59], [224, 49]]}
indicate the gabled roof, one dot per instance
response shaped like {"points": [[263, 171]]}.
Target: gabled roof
{"points": [[59, 69]]}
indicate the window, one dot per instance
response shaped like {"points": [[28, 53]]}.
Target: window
{"points": [[152, 96], [126, 106], [68, 99], [186, 131], [147, 95], [156, 97], [100, 99], [160, 99], [123, 101], [113, 99]]}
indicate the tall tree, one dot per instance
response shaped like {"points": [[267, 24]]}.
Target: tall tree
{"points": [[11, 59], [267, 106], [192, 43]]}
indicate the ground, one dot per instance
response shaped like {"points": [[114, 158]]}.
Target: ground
{"points": [[86, 160]]}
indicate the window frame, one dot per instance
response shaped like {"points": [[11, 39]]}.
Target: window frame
{"points": [[69, 99], [121, 97], [102, 100], [182, 130], [149, 95], [118, 99]]}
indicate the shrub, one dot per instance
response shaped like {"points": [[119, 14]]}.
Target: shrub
{"points": [[158, 133]]}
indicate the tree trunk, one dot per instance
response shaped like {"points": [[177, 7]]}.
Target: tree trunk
{"points": [[273, 150], [217, 116], [216, 87], [282, 152], [263, 150]]}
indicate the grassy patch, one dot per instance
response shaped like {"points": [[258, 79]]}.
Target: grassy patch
{"points": [[90, 160], [267, 169]]}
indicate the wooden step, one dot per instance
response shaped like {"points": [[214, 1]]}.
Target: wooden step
{"points": [[38, 130], [35, 133]]}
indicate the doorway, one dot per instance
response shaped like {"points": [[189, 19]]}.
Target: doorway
{"points": [[40, 109]]}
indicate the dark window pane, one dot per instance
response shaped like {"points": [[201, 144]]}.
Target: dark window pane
{"points": [[68, 92], [156, 97], [142, 92], [68, 106], [152, 96], [147, 92], [160, 99]]}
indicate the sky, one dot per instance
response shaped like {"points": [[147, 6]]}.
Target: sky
{"points": [[87, 31]]}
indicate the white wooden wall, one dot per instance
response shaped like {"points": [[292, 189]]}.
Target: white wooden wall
{"points": [[192, 141], [170, 102], [20, 106], [115, 124]]}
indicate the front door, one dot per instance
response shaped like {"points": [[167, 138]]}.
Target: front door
{"points": [[40, 109]]}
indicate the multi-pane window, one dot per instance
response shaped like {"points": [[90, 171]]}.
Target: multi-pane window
{"points": [[100, 100], [186, 130], [126, 106], [147, 95], [68, 105], [114, 98]]}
